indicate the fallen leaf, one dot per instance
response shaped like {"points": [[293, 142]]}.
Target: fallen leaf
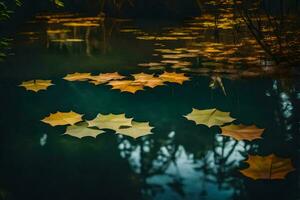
{"points": [[63, 118], [174, 77], [138, 129], [267, 167], [209, 117], [82, 130], [36, 85], [127, 86], [77, 76], [147, 80], [104, 78], [110, 121], [242, 132]]}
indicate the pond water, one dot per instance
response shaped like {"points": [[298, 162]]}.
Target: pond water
{"points": [[227, 71]]}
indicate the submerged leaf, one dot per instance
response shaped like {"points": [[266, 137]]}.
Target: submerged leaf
{"points": [[267, 167], [36, 85], [209, 117], [242, 132]]}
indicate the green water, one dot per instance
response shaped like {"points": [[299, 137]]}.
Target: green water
{"points": [[180, 160]]}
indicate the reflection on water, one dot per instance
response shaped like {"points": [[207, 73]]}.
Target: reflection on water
{"points": [[165, 142]]}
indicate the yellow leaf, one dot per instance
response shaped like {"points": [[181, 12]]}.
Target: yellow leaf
{"points": [[104, 78], [267, 167], [127, 86], [36, 85], [209, 117], [62, 118], [82, 130], [110, 121], [147, 80], [174, 77], [78, 76], [138, 129]]}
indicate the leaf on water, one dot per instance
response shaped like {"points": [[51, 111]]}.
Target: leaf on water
{"points": [[151, 64], [267, 167], [209, 117], [242, 132], [36, 85], [63, 118], [127, 86], [148, 80], [77, 76], [83, 24], [104, 78], [174, 77], [81, 130], [137, 129], [110, 121]]}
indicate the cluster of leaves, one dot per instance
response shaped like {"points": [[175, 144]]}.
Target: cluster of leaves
{"points": [[116, 122], [260, 167], [116, 80]]}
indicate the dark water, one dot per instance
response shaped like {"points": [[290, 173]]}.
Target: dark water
{"points": [[180, 160]]}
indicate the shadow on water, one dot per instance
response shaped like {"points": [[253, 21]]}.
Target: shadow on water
{"points": [[235, 62]]}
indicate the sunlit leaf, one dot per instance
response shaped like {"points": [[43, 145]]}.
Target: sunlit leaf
{"points": [[63, 118], [104, 78], [127, 86], [36, 85], [137, 129], [77, 76], [209, 117], [174, 77], [148, 80], [267, 167], [81, 130], [110, 121]]}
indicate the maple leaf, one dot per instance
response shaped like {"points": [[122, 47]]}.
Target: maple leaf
{"points": [[242, 132], [209, 117], [82, 130], [36, 85], [147, 80], [174, 77], [77, 76], [127, 86], [110, 121], [106, 77], [267, 167], [63, 118], [138, 129]]}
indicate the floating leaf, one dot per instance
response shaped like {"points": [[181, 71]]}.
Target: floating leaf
{"points": [[209, 117], [127, 86], [173, 77], [242, 132], [78, 76], [148, 80], [110, 121], [104, 78], [63, 118], [82, 130], [36, 85], [138, 129], [267, 167]]}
